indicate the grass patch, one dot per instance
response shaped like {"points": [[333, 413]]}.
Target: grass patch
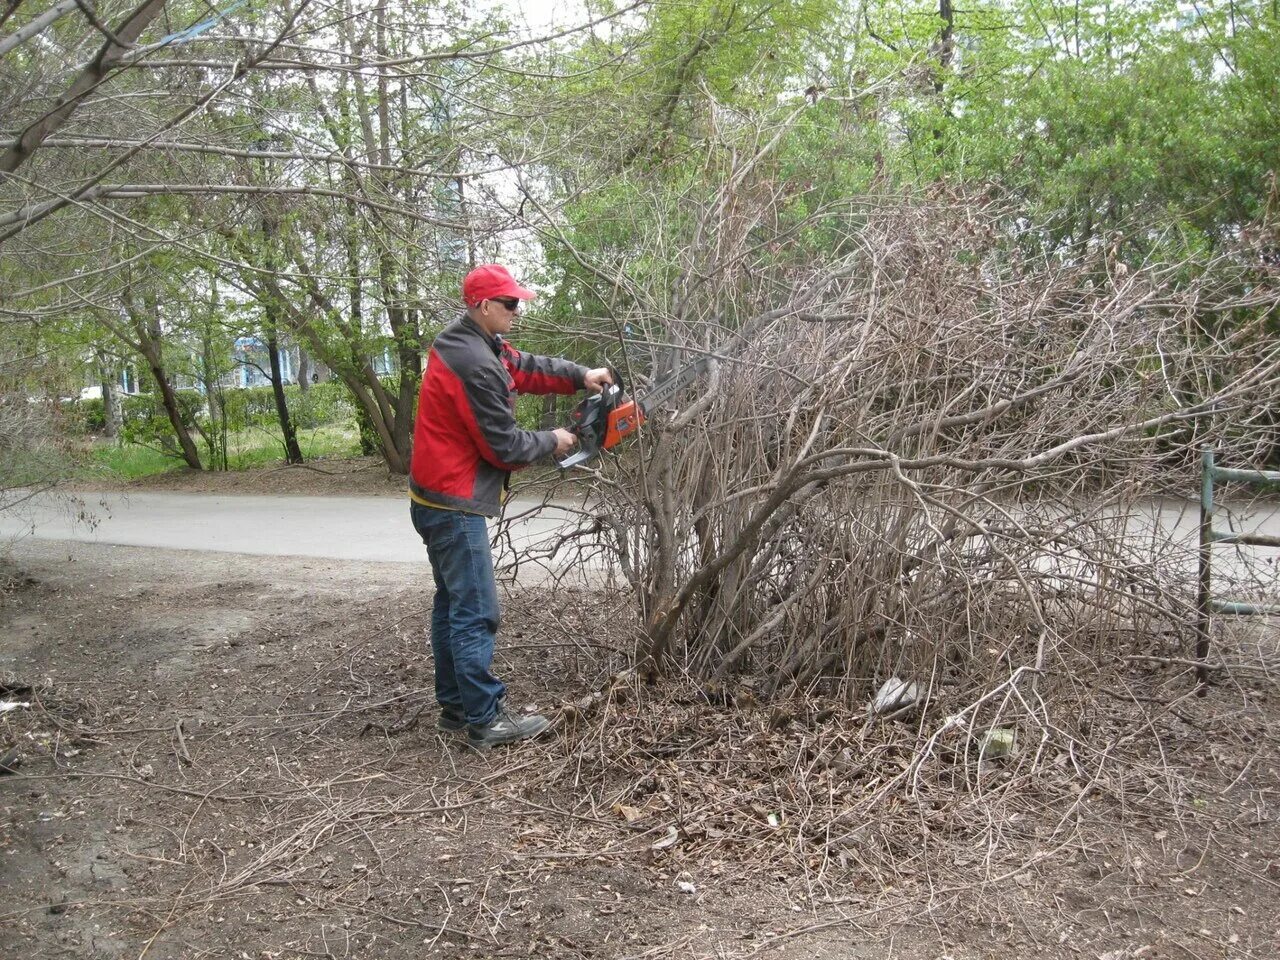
{"points": [[246, 449], [125, 461], [259, 447]]}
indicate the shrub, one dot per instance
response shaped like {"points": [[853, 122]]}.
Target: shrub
{"points": [[31, 450], [322, 404], [87, 416], [145, 419], [248, 407]]}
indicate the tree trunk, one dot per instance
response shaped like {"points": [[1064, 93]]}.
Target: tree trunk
{"points": [[946, 44], [304, 371], [216, 436], [271, 321], [150, 339], [113, 418], [397, 278], [292, 452], [946, 54], [170, 400], [660, 613]]}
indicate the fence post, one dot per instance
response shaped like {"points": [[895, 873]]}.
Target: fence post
{"points": [[1203, 599]]}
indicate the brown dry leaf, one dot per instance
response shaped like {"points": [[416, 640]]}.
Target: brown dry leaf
{"points": [[629, 814]]}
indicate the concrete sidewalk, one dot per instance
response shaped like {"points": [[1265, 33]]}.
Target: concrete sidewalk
{"points": [[340, 528]]}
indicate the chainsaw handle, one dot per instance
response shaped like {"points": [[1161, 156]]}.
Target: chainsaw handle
{"points": [[593, 421]]}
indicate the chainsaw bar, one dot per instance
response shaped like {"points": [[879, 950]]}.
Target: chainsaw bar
{"points": [[661, 393]]}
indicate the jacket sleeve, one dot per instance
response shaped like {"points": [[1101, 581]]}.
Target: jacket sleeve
{"points": [[493, 427], [535, 374]]}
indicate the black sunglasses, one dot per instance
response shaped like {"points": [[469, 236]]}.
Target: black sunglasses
{"points": [[511, 303]]}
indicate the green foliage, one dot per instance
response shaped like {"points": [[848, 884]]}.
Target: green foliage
{"points": [[145, 420], [740, 52], [529, 411], [127, 461], [320, 404], [254, 447], [1153, 128], [90, 415], [323, 417], [259, 448], [1149, 126]]}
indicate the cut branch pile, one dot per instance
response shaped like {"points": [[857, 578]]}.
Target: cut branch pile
{"points": [[935, 454]]}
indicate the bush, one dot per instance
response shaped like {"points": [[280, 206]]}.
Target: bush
{"points": [[88, 416], [322, 404], [83, 417], [146, 421], [32, 453], [247, 407]]}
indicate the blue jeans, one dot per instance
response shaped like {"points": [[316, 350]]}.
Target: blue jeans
{"points": [[465, 615]]}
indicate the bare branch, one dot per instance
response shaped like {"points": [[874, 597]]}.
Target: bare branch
{"points": [[36, 26], [94, 73]]}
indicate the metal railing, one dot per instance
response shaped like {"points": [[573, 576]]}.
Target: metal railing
{"points": [[1206, 605]]}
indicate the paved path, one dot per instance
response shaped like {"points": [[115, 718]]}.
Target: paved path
{"points": [[378, 528], [340, 528]]}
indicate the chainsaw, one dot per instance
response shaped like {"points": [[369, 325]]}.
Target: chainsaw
{"points": [[603, 420]]}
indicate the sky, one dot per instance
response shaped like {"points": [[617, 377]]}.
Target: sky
{"points": [[540, 16], [520, 249]]}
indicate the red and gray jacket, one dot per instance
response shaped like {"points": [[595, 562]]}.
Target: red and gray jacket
{"points": [[466, 441]]}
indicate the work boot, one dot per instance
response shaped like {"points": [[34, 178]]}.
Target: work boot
{"points": [[451, 720], [506, 727]]}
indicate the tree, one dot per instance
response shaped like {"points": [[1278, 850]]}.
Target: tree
{"points": [[365, 128]]}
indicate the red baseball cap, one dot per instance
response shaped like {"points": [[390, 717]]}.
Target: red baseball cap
{"points": [[489, 281]]}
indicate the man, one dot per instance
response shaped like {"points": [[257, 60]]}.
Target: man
{"points": [[465, 444]]}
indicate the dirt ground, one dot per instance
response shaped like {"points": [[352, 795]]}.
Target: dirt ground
{"points": [[233, 756]]}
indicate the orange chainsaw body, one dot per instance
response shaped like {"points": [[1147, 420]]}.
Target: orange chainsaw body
{"points": [[604, 420], [624, 420]]}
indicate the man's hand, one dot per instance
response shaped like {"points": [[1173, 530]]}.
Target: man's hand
{"points": [[565, 441], [596, 379]]}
